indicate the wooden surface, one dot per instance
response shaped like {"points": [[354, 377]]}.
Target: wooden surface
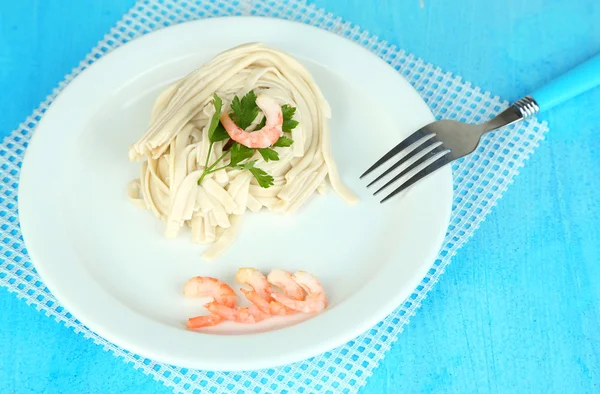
{"points": [[518, 310]]}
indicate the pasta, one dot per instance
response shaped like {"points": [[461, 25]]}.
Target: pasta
{"points": [[175, 148]]}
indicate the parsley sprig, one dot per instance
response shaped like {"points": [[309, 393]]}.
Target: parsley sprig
{"points": [[244, 112]]}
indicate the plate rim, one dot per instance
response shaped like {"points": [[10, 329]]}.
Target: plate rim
{"points": [[28, 223]]}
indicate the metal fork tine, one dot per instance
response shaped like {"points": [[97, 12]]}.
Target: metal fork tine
{"points": [[408, 141], [417, 147], [427, 156], [431, 168]]}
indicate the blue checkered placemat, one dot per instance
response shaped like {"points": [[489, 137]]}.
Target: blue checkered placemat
{"points": [[479, 181]]}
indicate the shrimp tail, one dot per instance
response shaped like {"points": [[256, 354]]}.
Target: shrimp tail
{"points": [[203, 321]]}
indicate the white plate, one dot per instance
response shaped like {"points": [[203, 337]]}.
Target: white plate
{"points": [[108, 263]]}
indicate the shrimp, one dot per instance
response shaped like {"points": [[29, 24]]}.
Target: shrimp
{"points": [[268, 307], [255, 279], [260, 295], [249, 315], [315, 300], [205, 286], [203, 321], [285, 281], [264, 137]]}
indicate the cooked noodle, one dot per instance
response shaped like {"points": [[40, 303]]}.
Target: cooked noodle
{"points": [[174, 149]]}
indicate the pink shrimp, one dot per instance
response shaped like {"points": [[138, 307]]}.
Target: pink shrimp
{"points": [[203, 321], [269, 307], [315, 300], [285, 281], [255, 279], [260, 295], [205, 286], [264, 137], [278, 309], [241, 315]]}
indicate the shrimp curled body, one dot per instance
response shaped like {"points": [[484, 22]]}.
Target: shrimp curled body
{"points": [[205, 286], [247, 315], [315, 300], [260, 295], [264, 137], [285, 281]]}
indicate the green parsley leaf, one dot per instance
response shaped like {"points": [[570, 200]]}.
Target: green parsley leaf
{"points": [[283, 142], [239, 153], [246, 166], [264, 180], [288, 111], [214, 121], [268, 154], [288, 125], [288, 114], [220, 134], [244, 110]]}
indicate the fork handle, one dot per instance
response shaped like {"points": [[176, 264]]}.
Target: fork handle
{"points": [[578, 80]]}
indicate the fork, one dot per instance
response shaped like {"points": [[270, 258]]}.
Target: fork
{"points": [[444, 141]]}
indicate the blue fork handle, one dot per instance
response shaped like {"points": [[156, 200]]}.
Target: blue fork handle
{"points": [[578, 80]]}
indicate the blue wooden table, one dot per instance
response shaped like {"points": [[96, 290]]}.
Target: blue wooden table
{"points": [[518, 310]]}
